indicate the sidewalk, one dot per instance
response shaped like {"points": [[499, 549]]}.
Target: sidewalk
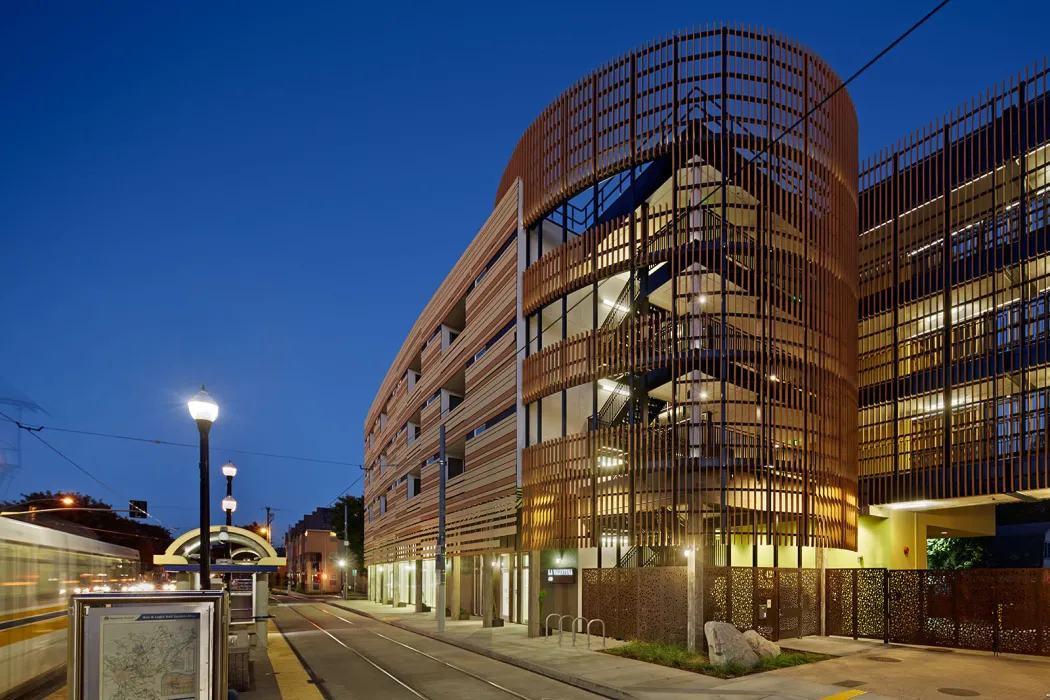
{"points": [[610, 676]]}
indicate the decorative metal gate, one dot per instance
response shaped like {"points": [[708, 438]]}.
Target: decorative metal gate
{"points": [[1002, 610]]}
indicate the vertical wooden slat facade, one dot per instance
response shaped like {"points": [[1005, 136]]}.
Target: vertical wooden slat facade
{"points": [[953, 354], [721, 304]]}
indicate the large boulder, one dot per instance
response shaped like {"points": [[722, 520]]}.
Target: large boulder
{"points": [[760, 645], [726, 645]]}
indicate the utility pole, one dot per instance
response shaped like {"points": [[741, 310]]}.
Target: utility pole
{"points": [[269, 523], [439, 563], [346, 544]]}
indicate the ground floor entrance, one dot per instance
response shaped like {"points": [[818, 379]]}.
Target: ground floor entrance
{"points": [[494, 587]]}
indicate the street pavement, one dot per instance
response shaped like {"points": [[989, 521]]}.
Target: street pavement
{"points": [[350, 656], [865, 669]]}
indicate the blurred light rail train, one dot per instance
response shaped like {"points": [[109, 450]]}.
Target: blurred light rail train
{"points": [[39, 569]]}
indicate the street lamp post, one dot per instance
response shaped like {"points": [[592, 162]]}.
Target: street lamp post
{"points": [[204, 411], [342, 576], [229, 504], [229, 471]]}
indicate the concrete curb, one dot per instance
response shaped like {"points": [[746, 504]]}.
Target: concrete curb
{"points": [[582, 683]]}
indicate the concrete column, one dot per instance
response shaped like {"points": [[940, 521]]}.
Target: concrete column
{"points": [[395, 583], [698, 559], [454, 585], [262, 598], [535, 583], [486, 590], [497, 587], [417, 584], [516, 600], [822, 566]]}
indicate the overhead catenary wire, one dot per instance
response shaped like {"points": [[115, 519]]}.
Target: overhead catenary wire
{"points": [[36, 434], [167, 443]]}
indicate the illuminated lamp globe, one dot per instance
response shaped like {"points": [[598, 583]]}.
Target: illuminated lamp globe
{"points": [[229, 504], [229, 470], [203, 407]]}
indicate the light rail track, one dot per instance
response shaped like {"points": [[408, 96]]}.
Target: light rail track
{"points": [[307, 602]]}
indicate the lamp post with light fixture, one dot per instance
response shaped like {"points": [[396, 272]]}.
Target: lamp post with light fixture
{"points": [[229, 471], [204, 411], [229, 504]]}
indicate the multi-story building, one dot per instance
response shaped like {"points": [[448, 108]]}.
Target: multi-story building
{"points": [[313, 552], [650, 349], [954, 310]]}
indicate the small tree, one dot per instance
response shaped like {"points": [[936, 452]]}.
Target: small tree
{"points": [[955, 553], [539, 597]]}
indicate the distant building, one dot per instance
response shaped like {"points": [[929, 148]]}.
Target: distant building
{"points": [[313, 552]]}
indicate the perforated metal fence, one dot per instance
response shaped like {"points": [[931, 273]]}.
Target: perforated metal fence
{"points": [[1001, 610]]}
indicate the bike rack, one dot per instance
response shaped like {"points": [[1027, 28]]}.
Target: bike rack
{"points": [[560, 630], [589, 632], [572, 626], [546, 625]]}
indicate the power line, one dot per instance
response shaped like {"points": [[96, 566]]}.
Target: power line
{"points": [[750, 161], [36, 433], [166, 443], [186, 444]]}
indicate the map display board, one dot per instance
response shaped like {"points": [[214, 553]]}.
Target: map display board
{"points": [[152, 656], [161, 651]]}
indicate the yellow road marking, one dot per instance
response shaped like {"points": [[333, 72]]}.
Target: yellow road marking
{"points": [[292, 679], [845, 695]]}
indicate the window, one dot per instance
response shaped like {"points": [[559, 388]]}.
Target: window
{"points": [[455, 467], [491, 422], [454, 401], [502, 332], [382, 505], [413, 486], [495, 258]]}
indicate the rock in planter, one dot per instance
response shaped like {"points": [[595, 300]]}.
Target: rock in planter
{"points": [[761, 646], [726, 645]]}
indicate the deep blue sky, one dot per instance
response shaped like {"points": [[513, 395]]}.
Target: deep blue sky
{"points": [[262, 196]]}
